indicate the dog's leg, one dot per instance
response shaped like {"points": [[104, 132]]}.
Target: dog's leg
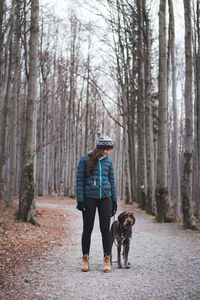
{"points": [[125, 254], [119, 255]]}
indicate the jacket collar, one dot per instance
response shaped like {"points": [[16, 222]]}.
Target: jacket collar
{"points": [[103, 157]]}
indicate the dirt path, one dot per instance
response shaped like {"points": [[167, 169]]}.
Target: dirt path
{"points": [[165, 264]]}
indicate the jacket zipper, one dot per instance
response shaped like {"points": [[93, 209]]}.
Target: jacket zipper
{"points": [[100, 179]]}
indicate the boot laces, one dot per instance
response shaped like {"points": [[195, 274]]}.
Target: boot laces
{"points": [[107, 259], [85, 258]]}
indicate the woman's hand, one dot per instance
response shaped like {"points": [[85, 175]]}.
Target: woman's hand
{"points": [[81, 206], [114, 208]]}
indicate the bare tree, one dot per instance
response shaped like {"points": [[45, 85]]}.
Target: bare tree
{"points": [[175, 136], [196, 194], [186, 186], [162, 162], [150, 200], [87, 97], [2, 8], [141, 161], [13, 139], [6, 68], [27, 188]]}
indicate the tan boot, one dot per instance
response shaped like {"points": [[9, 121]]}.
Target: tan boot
{"points": [[85, 264], [106, 264]]}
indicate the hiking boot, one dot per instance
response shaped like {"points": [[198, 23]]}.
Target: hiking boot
{"points": [[106, 264], [85, 264]]}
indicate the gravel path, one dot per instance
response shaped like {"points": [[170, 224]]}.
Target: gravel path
{"points": [[165, 264]]}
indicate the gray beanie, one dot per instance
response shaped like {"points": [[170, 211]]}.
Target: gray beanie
{"points": [[104, 142]]}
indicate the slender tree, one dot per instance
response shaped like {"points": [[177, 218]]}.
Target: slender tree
{"points": [[13, 139], [175, 136], [150, 200], [2, 8], [186, 186], [197, 99], [162, 160], [141, 161], [87, 97], [5, 88], [27, 189]]}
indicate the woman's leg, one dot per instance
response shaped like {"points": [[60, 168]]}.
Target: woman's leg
{"points": [[88, 223], [104, 209]]}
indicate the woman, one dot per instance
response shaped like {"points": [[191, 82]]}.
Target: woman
{"points": [[95, 184]]}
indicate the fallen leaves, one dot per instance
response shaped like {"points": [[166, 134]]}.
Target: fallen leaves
{"points": [[21, 243]]}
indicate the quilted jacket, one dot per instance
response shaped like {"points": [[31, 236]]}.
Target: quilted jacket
{"points": [[87, 184]]}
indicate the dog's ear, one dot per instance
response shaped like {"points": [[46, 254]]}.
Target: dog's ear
{"points": [[131, 214], [121, 217]]}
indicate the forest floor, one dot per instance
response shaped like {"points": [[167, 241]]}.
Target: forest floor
{"points": [[44, 262]]}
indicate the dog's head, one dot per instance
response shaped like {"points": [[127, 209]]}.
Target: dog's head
{"points": [[126, 219]]}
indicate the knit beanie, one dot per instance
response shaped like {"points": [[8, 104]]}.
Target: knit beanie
{"points": [[104, 142]]}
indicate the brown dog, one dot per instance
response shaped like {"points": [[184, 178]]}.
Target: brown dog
{"points": [[121, 231]]}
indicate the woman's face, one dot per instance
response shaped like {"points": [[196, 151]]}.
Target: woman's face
{"points": [[106, 152]]}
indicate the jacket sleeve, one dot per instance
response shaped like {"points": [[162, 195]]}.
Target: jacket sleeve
{"points": [[80, 179], [112, 182]]}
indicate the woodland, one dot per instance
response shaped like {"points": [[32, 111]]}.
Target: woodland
{"points": [[127, 72]]}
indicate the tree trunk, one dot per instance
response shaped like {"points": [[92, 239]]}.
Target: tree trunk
{"points": [[127, 187], [65, 142], [162, 164], [150, 202], [40, 155], [197, 85], [53, 126], [13, 138], [141, 161], [2, 4], [27, 189], [175, 136], [186, 187], [4, 86], [87, 102], [132, 153]]}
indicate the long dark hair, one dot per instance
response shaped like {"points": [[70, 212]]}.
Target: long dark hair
{"points": [[93, 158]]}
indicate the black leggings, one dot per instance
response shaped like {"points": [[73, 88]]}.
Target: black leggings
{"points": [[104, 210]]}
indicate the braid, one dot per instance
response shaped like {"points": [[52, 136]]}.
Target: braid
{"points": [[93, 158]]}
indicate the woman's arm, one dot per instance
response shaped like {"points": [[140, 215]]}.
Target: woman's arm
{"points": [[112, 182], [80, 179]]}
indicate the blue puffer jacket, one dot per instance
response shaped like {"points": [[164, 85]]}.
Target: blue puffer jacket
{"points": [[86, 184]]}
